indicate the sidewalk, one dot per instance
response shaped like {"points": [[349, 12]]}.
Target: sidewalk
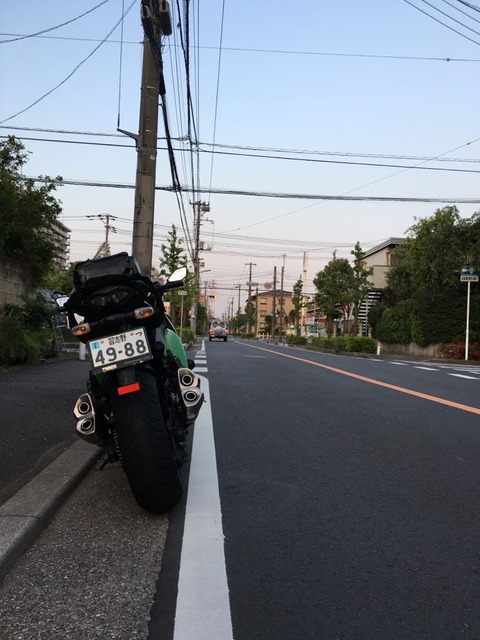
{"points": [[30, 510], [42, 458]]}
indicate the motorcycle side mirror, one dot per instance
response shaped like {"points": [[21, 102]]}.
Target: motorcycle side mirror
{"points": [[178, 275]]}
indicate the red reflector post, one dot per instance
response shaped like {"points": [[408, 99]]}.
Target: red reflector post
{"points": [[128, 388]]}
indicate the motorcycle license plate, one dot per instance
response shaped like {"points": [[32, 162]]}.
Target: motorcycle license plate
{"points": [[120, 350]]}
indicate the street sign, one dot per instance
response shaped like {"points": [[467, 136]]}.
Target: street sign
{"points": [[182, 293], [468, 274], [252, 284]]}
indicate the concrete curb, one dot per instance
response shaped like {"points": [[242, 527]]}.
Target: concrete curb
{"points": [[31, 509]]}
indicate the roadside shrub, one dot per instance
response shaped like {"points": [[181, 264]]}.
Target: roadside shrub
{"points": [[32, 314], [395, 325], [351, 344], [361, 344], [322, 343], [296, 340], [18, 345], [25, 335]]}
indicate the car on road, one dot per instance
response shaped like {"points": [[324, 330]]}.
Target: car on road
{"points": [[218, 330]]}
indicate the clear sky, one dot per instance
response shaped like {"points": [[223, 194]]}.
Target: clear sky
{"points": [[344, 83]]}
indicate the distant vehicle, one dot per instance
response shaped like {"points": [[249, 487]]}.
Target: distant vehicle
{"points": [[218, 330], [50, 296]]}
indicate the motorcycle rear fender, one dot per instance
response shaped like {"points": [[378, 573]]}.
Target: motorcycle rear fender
{"points": [[174, 345], [126, 381]]}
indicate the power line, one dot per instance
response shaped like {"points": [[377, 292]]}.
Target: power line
{"points": [[471, 6], [463, 12], [450, 17], [281, 51], [58, 26], [266, 194], [72, 72], [440, 22], [285, 158], [276, 150]]}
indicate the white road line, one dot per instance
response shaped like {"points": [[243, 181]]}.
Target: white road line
{"points": [[400, 364], [426, 368], [203, 606], [460, 375], [201, 369]]}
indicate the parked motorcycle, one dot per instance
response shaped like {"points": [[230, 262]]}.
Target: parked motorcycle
{"points": [[142, 395]]}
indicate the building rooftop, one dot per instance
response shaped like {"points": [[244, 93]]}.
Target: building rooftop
{"points": [[391, 242]]}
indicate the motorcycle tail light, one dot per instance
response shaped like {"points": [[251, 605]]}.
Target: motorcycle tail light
{"points": [[128, 388], [143, 312], [81, 329], [108, 298]]}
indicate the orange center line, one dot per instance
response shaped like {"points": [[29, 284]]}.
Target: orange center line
{"points": [[386, 385]]}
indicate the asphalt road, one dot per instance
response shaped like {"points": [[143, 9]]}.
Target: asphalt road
{"points": [[348, 490], [36, 418], [350, 509]]}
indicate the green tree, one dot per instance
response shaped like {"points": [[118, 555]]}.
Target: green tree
{"points": [[58, 279], [424, 301], [436, 248], [335, 285], [298, 301], [361, 282], [173, 257], [26, 211]]}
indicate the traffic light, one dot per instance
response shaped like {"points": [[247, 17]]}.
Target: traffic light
{"points": [[212, 296]]}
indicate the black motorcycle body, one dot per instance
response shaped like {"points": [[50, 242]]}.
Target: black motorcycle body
{"points": [[142, 395]]}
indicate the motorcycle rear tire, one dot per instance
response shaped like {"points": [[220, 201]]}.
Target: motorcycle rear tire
{"points": [[145, 450]]}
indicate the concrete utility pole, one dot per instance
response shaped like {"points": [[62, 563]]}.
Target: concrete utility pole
{"points": [[304, 288], [104, 249], [199, 209], [156, 21], [274, 302], [252, 264], [281, 296]]}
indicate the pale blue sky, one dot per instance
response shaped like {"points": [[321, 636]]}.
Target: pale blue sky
{"points": [[312, 75]]}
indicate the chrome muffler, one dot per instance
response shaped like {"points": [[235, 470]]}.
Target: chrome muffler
{"points": [[192, 397], [85, 414], [187, 379]]}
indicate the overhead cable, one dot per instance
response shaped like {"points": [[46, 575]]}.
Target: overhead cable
{"points": [[58, 26], [267, 194]]}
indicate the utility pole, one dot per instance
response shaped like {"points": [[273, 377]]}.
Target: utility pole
{"points": [[304, 288], [104, 249], [256, 313], [281, 296], [252, 264], [274, 302], [156, 21], [199, 209]]}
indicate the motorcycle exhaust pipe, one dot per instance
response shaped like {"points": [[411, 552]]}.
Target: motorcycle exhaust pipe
{"points": [[192, 399], [83, 406], [187, 379], [85, 414]]}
